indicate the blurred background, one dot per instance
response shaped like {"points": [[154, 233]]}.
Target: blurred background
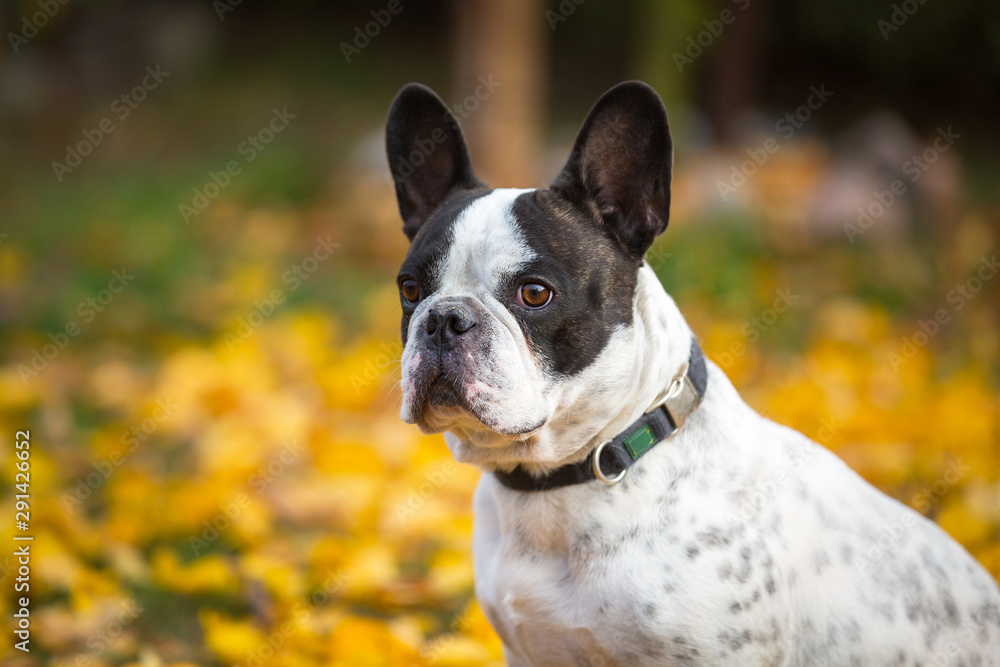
{"points": [[199, 324]]}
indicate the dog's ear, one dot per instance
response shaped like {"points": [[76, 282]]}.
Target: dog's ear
{"points": [[427, 154], [620, 166]]}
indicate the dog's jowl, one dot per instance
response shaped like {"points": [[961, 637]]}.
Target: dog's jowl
{"points": [[628, 511]]}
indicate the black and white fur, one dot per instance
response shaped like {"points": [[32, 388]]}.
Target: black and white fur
{"points": [[668, 566]]}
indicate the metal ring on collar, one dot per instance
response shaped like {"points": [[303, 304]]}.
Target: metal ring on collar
{"points": [[610, 481]]}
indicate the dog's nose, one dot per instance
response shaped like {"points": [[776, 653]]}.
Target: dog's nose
{"points": [[445, 324]]}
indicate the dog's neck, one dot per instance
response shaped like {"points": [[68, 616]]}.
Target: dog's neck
{"points": [[620, 386], [661, 344]]}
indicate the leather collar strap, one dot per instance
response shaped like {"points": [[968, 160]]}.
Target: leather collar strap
{"points": [[614, 457]]}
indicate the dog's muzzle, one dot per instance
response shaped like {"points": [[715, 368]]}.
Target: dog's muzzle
{"points": [[446, 323]]}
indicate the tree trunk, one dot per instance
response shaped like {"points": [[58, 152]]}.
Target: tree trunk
{"points": [[499, 73]]}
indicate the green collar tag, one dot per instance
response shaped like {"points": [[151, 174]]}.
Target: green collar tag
{"points": [[637, 443]]}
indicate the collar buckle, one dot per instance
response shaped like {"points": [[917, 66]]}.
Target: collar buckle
{"points": [[679, 399], [672, 390]]}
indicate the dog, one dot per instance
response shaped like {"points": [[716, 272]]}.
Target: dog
{"points": [[611, 523]]}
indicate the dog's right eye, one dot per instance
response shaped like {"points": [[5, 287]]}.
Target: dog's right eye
{"points": [[410, 290], [533, 295]]}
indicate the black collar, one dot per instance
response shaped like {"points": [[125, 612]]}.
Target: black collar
{"points": [[615, 456]]}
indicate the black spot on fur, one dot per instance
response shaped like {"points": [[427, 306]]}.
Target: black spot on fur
{"points": [[735, 640], [885, 609], [853, 630], [713, 537], [592, 278], [682, 653], [821, 559], [745, 569], [950, 609]]}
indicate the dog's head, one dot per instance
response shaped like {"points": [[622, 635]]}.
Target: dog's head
{"points": [[518, 305]]}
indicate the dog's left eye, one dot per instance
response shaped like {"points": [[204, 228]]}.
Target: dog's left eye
{"points": [[410, 290], [533, 295]]}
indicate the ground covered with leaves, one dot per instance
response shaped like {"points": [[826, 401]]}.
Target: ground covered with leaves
{"points": [[219, 475]]}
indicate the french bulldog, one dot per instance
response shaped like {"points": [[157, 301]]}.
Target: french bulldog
{"points": [[611, 522]]}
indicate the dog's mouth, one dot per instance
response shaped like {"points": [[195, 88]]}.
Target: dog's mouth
{"points": [[444, 394], [437, 396], [441, 404]]}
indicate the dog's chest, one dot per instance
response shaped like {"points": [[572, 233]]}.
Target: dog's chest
{"points": [[552, 611], [604, 586]]}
